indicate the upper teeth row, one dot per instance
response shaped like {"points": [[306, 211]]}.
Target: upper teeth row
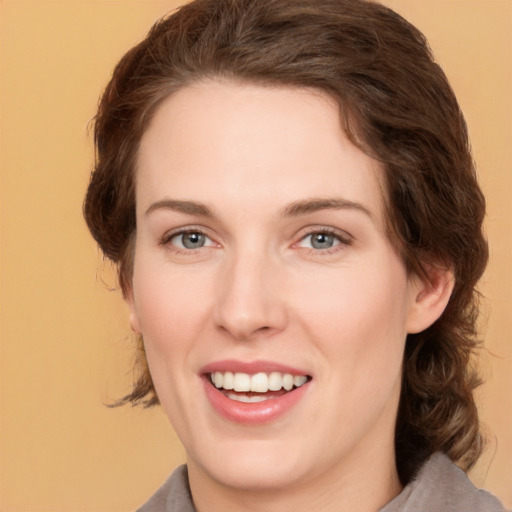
{"points": [[259, 382]]}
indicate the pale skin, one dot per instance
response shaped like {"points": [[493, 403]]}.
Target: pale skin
{"points": [[261, 236]]}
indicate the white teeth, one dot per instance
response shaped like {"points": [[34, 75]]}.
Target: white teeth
{"points": [[258, 382], [218, 379], [298, 380], [247, 399], [275, 381], [287, 381], [242, 382], [229, 381]]}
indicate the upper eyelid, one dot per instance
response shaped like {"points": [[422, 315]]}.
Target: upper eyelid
{"points": [[171, 233], [186, 229], [310, 230]]}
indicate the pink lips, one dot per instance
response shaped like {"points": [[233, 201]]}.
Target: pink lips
{"points": [[231, 365], [251, 413]]}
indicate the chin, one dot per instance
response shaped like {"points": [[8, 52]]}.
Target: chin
{"points": [[255, 466]]}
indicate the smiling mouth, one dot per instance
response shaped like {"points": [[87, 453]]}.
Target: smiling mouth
{"points": [[258, 387]]}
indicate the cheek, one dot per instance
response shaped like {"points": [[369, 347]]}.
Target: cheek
{"points": [[373, 295], [358, 318], [171, 310], [169, 307]]}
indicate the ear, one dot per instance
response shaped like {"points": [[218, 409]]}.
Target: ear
{"points": [[134, 319], [430, 295]]}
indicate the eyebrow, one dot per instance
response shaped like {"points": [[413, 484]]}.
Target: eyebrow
{"points": [[189, 207], [294, 209], [316, 204]]}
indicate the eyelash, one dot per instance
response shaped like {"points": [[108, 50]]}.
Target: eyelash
{"points": [[168, 237], [343, 240]]}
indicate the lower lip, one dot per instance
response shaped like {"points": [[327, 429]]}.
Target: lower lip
{"points": [[257, 413]]}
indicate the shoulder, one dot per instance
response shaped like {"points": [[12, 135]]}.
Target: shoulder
{"points": [[441, 485], [173, 496]]}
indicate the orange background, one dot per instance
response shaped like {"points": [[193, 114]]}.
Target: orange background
{"points": [[66, 346]]}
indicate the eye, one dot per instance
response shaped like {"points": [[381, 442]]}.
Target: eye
{"points": [[320, 241], [190, 240], [323, 240]]}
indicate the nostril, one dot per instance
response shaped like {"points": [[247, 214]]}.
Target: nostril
{"points": [[246, 332]]}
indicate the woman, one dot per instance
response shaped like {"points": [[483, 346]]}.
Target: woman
{"points": [[287, 189]]}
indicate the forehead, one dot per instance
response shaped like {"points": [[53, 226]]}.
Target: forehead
{"points": [[250, 145]]}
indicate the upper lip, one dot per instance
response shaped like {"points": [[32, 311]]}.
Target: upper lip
{"points": [[250, 367]]}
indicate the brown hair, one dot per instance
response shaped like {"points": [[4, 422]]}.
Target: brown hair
{"points": [[396, 105]]}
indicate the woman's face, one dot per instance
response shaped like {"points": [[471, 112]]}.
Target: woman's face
{"points": [[262, 260]]}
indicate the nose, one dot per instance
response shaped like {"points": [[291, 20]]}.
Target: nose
{"points": [[250, 301]]}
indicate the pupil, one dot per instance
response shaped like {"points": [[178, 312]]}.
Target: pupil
{"points": [[193, 240], [322, 241]]}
